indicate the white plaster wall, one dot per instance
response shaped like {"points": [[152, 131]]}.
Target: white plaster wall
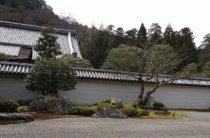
{"points": [[89, 92], [182, 97], [14, 89]]}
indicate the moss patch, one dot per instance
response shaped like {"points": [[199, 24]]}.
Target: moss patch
{"points": [[48, 116], [173, 115]]}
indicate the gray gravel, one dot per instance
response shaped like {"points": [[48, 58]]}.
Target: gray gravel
{"points": [[196, 126]]}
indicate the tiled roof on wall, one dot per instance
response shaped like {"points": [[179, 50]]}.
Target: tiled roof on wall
{"points": [[95, 74]]}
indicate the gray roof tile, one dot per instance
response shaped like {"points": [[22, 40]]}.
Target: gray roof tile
{"points": [[9, 50], [21, 34], [23, 69]]}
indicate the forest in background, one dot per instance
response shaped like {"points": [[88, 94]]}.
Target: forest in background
{"points": [[96, 43]]}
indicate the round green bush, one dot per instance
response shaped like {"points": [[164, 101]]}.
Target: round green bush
{"points": [[8, 106], [101, 106], [129, 111], [83, 110], [159, 106]]}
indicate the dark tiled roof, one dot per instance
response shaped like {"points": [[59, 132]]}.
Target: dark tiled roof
{"points": [[14, 68], [27, 35], [94, 74]]}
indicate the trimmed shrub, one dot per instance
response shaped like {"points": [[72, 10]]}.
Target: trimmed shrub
{"points": [[51, 104], [23, 109], [8, 106], [101, 106], [129, 111], [83, 110], [159, 106]]}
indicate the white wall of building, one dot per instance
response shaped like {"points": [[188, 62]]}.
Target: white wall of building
{"points": [[92, 91]]}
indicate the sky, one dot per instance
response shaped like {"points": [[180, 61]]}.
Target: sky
{"points": [[131, 13]]}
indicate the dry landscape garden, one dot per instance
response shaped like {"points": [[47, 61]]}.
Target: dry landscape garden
{"points": [[148, 59]]}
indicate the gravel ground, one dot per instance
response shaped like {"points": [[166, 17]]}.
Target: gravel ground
{"points": [[196, 126]]}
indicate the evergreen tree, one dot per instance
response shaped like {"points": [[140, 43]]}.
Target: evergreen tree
{"points": [[47, 45], [142, 37], [155, 34], [50, 75], [131, 36], [119, 37], [204, 51], [110, 28], [98, 45], [120, 31], [185, 46], [206, 70], [169, 36]]}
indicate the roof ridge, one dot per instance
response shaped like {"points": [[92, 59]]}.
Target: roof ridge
{"points": [[33, 27], [101, 70]]}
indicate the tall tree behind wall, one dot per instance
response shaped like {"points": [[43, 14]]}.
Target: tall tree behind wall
{"points": [[183, 43], [97, 46], [142, 37]]}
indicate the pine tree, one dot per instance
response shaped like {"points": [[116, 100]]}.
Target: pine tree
{"points": [[49, 74], [47, 45], [169, 36], [142, 37]]}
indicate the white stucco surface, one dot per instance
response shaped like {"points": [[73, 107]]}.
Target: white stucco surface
{"points": [[92, 91], [14, 89]]}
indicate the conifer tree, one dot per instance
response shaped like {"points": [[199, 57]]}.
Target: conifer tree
{"points": [[47, 45], [142, 37]]}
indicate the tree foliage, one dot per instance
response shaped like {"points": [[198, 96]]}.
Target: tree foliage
{"points": [[204, 51], [97, 46], [183, 44], [75, 61], [169, 36], [50, 76], [142, 37], [206, 70], [125, 58], [96, 43], [149, 64], [155, 35], [47, 45]]}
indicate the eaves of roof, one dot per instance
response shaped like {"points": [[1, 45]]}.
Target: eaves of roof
{"points": [[11, 68]]}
